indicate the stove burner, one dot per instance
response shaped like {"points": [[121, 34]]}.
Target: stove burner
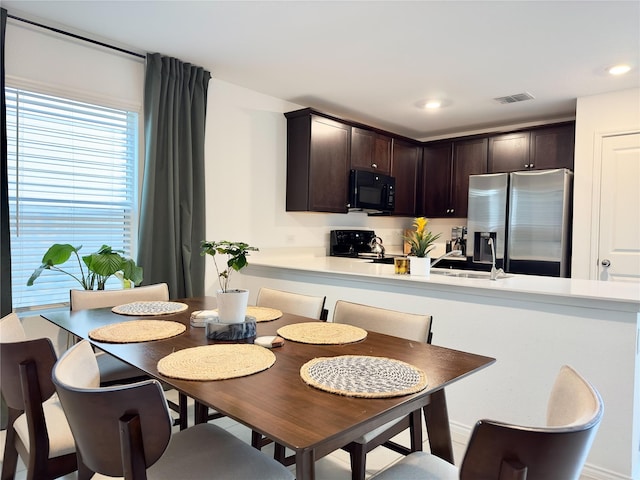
{"points": [[350, 243]]}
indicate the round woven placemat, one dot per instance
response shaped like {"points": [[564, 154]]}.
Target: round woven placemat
{"points": [[363, 376], [216, 362], [322, 333], [135, 331], [262, 314], [150, 308]]}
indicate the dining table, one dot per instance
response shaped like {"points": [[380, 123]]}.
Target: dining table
{"points": [[276, 402]]}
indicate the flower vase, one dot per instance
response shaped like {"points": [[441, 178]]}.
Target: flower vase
{"points": [[232, 305], [420, 266]]}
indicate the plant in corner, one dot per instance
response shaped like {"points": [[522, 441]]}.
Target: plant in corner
{"points": [[100, 266], [421, 240], [236, 253]]}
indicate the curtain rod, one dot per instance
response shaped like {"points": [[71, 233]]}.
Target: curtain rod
{"points": [[79, 37]]}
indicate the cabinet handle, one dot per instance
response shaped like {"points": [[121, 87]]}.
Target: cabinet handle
{"points": [[374, 165], [531, 165], [606, 263]]}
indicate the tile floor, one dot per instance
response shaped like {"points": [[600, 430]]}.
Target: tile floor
{"points": [[332, 467]]}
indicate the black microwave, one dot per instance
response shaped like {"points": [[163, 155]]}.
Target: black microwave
{"points": [[371, 191]]}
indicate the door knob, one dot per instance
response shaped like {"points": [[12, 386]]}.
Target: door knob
{"points": [[605, 263]]}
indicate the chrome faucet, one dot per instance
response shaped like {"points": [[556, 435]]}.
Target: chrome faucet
{"points": [[495, 272], [448, 254]]}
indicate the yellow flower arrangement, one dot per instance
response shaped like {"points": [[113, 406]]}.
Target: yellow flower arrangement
{"points": [[421, 240]]}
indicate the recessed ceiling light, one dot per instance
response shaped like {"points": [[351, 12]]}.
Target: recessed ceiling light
{"points": [[432, 104], [619, 69]]}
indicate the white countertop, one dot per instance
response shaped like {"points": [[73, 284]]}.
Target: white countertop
{"points": [[554, 290]]}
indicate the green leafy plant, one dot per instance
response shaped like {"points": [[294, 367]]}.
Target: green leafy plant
{"points": [[100, 266], [236, 253], [421, 240]]}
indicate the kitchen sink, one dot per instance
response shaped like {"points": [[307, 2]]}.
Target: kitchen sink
{"points": [[387, 260], [464, 274]]}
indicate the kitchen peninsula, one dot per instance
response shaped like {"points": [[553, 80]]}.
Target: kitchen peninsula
{"points": [[531, 325]]}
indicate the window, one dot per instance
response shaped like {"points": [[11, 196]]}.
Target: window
{"points": [[72, 179]]}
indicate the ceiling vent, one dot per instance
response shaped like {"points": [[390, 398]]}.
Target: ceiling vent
{"points": [[518, 97]]}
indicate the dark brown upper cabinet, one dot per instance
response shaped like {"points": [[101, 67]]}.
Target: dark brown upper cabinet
{"points": [[318, 160], [508, 152], [405, 167], [436, 179], [370, 151], [552, 147], [536, 149], [446, 169], [432, 178]]}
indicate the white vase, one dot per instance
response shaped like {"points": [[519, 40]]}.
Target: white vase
{"points": [[232, 305], [420, 266]]}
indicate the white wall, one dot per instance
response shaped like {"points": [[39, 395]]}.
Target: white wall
{"points": [[596, 116]]}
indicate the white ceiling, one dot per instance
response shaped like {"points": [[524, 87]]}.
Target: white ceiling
{"points": [[375, 61]]}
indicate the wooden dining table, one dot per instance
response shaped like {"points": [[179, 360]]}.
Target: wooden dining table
{"points": [[276, 402]]}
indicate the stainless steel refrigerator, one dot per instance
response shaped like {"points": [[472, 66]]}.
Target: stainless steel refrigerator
{"points": [[528, 214]]}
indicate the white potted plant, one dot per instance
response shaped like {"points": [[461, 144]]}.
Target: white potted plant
{"points": [[421, 242], [232, 303]]}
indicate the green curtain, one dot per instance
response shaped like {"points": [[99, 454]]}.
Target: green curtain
{"points": [[172, 219], [5, 240]]}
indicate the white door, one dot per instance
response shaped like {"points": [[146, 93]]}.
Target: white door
{"points": [[619, 236]]}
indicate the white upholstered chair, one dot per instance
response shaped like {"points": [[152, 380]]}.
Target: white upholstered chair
{"points": [[498, 450], [113, 370], [37, 429], [295, 303], [125, 430], [399, 324]]}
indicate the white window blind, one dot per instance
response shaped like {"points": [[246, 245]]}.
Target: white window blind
{"points": [[72, 179]]}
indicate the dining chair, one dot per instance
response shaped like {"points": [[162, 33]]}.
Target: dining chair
{"points": [[504, 451], [113, 370], [298, 304], [411, 326], [37, 429], [126, 431]]}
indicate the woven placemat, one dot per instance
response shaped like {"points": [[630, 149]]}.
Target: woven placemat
{"points": [[363, 376], [322, 333], [135, 331], [216, 362], [262, 314], [149, 308]]}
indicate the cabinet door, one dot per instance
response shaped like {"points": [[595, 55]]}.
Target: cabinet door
{"points": [[329, 165], [436, 179], [552, 147], [509, 152], [370, 151], [404, 167], [469, 158]]}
